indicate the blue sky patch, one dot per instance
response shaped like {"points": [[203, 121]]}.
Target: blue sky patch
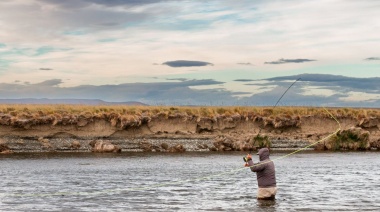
{"points": [[75, 32]]}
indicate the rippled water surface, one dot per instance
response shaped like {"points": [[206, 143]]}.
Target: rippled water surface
{"points": [[307, 181]]}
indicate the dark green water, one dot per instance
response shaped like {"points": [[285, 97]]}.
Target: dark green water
{"points": [[165, 182]]}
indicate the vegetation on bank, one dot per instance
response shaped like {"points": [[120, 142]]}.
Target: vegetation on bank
{"points": [[349, 139], [125, 116], [206, 120], [209, 111]]}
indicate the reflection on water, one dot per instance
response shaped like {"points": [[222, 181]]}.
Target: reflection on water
{"points": [[179, 182]]}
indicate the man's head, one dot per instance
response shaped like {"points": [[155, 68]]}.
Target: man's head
{"points": [[263, 154]]}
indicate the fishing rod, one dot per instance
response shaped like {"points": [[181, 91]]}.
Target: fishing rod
{"points": [[285, 92], [245, 158], [258, 134]]}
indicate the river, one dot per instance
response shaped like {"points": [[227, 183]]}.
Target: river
{"points": [[203, 181]]}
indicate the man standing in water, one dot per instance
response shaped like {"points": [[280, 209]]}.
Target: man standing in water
{"points": [[266, 177]]}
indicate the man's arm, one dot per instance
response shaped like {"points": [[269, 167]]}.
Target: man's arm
{"points": [[254, 167]]}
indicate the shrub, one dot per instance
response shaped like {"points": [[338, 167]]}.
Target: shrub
{"points": [[261, 141], [350, 139]]}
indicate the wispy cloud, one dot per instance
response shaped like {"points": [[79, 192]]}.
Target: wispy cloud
{"points": [[46, 69], [186, 63], [283, 61], [106, 3], [243, 80], [49, 83], [372, 58], [245, 64], [178, 79]]}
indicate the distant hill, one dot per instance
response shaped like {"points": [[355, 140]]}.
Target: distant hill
{"points": [[66, 101]]}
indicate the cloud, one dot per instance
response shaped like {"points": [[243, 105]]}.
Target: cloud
{"points": [[146, 31], [178, 79], [186, 63], [150, 93], [320, 89], [244, 80], [49, 83], [245, 64], [56, 19], [46, 69], [309, 91], [293, 97], [106, 3], [298, 95], [371, 85], [336, 100], [372, 58], [138, 24], [283, 61]]}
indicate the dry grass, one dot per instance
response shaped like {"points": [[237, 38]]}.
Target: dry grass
{"points": [[130, 111]]}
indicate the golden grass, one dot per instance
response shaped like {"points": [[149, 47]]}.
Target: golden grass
{"points": [[209, 111]]}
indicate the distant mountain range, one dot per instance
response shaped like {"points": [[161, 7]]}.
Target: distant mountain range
{"points": [[66, 101]]}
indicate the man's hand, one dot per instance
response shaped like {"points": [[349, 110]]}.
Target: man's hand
{"points": [[249, 157], [246, 159]]}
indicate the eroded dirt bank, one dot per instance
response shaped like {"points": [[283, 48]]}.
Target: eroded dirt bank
{"points": [[177, 132]]}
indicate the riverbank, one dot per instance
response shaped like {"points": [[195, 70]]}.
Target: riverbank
{"points": [[61, 128]]}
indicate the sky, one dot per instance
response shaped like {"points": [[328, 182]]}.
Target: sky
{"points": [[192, 52]]}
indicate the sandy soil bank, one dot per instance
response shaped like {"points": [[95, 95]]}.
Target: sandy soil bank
{"points": [[177, 132]]}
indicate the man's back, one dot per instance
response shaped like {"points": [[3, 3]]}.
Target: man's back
{"points": [[266, 175]]}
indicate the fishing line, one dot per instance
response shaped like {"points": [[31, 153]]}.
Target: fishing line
{"points": [[177, 182], [150, 187], [188, 180]]}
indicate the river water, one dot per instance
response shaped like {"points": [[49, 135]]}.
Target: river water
{"points": [[204, 181]]}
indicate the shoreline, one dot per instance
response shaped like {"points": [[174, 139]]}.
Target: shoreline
{"points": [[17, 145]]}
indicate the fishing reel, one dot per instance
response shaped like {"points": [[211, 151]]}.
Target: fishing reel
{"points": [[246, 159]]}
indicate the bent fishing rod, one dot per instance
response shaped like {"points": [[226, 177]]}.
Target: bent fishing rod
{"points": [[258, 134]]}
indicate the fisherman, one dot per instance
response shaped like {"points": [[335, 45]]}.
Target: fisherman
{"points": [[266, 178]]}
